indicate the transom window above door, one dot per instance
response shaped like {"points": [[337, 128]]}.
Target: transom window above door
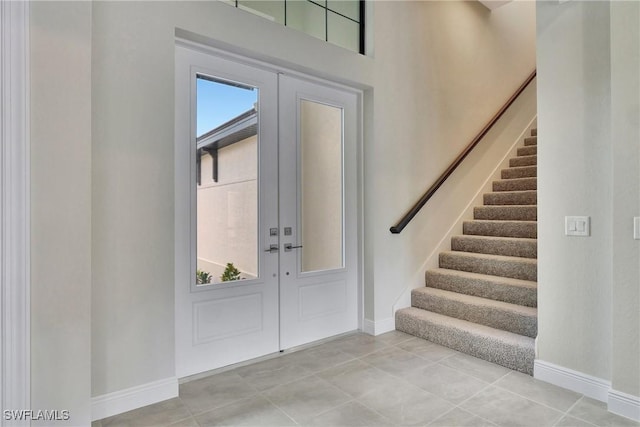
{"points": [[340, 22]]}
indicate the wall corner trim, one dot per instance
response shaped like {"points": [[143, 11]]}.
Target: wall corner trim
{"points": [[136, 397], [15, 208], [595, 388], [372, 327], [624, 404]]}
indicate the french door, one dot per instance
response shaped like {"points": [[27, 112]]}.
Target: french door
{"points": [[266, 211]]}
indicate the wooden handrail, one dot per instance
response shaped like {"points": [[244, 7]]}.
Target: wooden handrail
{"points": [[458, 160]]}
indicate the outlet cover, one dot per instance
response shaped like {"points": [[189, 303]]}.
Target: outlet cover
{"points": [[577, 226]]}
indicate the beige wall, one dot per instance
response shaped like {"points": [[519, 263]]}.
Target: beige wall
{"points": [[438, 71], [228, 211], [588, 157], [625, 126], [61, 209]]}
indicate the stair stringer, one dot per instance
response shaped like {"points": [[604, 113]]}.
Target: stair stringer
{"points": [[444, 244]]}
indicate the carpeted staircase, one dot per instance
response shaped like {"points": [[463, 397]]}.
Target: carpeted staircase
{"points": [[482, 300]]}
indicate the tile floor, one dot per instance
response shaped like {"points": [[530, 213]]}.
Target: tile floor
{"points": [[359, 380]]}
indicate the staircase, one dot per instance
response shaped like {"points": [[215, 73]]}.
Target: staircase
{"points": [[482, 300]]}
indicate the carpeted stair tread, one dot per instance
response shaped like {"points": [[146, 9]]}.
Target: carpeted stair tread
{"points": [[519, 172], [516, 184], [494, 345], [508, 212], [528, 150], [526, 197], [495, 265], [523, 161], [515, 291], [496, 245], [495, 314], [534, 132], [501, 228], [531, 140]]}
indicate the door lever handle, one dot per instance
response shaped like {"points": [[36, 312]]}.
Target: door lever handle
{"points": [[289, 246], [272, 248]]}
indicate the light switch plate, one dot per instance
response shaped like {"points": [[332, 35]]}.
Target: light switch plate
{"points": [[577, 226], [636, 227]]}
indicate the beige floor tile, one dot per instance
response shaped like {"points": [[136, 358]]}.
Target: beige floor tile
{"points": [[271, 373], [395, 361], [510, 410], [596, 413], [306, 398], [460, 418], [445, 382], [481, 369], [318, 358], [538, 391], [427, 350], [569, 421], [215, 391], [254, 411], [349, 414], [393, 337], [358, 345], [405, 404], [357, 377], [157, 415]]}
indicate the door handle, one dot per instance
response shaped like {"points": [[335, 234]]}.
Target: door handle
{"points": [[288, 247], [272, 248]]}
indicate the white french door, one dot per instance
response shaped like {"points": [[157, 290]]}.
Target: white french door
{"points": [[266, 212]]}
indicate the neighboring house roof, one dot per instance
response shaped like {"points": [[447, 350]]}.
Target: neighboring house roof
{"points": [[239, 128]]}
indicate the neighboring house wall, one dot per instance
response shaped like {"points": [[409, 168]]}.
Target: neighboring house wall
{"points": [[588, 162], [228, 210], [437, 72]]}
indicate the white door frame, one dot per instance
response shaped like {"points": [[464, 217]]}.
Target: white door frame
{"points": [[14, 208], [223, 52]]}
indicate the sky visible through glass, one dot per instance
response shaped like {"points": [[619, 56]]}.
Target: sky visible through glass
{"points": [[218, 103]]}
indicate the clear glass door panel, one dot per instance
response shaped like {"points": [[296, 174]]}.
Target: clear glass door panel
{"points": [[321, 186], [226, 168]]}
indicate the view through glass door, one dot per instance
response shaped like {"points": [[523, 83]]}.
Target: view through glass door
{"points": [[266, 237]]}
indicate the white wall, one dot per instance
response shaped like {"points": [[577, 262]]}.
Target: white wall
{"points": [[428, 105], [625, 137], [588, 158], [61, 209], [423, 103]]}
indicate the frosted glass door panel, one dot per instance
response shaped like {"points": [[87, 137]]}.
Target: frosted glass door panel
{"points": [[321, 146]]}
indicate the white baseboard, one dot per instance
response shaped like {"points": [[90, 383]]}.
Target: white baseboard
{"points": [[624, 404], [595, 388], [136, 397], [380, 327]]}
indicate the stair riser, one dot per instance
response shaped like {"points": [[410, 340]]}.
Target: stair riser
{"points": [[519, 172], [521, 184], [531, 141], [528, 150], [516, 213], [511, 198], [523, 161], [512, 356], [517, 269], [525, 248], [501, 229], [494, 290], [488, 316]]}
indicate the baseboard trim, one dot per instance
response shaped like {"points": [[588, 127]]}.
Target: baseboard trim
{"points": [[136, 397], [595, 388], [624, 404], [380, 327]]}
